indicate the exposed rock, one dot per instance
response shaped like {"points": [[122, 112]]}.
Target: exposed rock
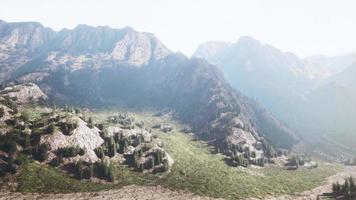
{"points": [[25, 93], [82, 136], [132, 192]]}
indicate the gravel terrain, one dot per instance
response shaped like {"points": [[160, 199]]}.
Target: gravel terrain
{"points": [[126, 193]]}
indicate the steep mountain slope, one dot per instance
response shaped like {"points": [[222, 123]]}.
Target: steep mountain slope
{"points": [[314, 95], [261, 71], [281, 81], [325, 66], [334, 102], [100, 66]]}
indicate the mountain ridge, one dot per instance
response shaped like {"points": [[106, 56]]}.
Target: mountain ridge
{"points": [[132, 69]]}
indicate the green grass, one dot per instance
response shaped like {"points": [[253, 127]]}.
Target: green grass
{"points": [[35, 177], [195, 170], [31, 112], [199, 171]]}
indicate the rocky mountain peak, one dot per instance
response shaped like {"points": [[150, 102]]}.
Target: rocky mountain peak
{"points": [[211, 48], [137, 49], [31, 35], [248, 41], [124, 45]]}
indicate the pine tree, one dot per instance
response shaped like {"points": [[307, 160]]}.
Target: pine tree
{"points": [[90, 123], [2, 112], [41, 153], [352, 186], [27, 139], [336, 188], [91, 170], [346, 188], [80, 173], [99, 152]]}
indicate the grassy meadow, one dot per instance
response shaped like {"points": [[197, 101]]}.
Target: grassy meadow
{"points": [[195, 170]]}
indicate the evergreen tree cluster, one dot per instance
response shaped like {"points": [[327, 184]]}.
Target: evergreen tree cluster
{"points": [[124, 120], [67, 152], [346, 190], [143, 159], [16, 142], [298, 160], [243, 156], [100, 169], [67, 127], [113, 144]]}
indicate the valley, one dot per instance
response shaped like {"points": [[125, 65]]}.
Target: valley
{"points": [[94, 112], [196, 170]]}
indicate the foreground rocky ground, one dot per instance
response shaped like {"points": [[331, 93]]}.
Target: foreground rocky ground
{"points": [[126, 193], [134, 192]]}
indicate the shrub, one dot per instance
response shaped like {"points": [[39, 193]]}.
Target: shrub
{"points": [[2, 112], [41, 152], [81, 151], [347, 190], [90, 123], [35, 138], [67, 128], [70, 151], [77, 111], [100, 126], [50, 128], [99, 152], [104, 170], [158, 156], [55, 161]]}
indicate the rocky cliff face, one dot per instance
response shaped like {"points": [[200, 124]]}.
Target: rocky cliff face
{"points": [[100, 66]]}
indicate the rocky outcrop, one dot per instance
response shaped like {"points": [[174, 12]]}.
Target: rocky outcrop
{"points": [[82, 136], [24, 94]]}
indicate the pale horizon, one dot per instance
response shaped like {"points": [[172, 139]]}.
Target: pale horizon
{"points": [[301, 27]]}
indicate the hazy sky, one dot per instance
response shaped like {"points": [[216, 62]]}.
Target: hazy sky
{"points": [[305, 27]]}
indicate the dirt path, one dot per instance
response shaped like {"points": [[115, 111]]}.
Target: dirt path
{"points": [[326, 187], [126, 193]]}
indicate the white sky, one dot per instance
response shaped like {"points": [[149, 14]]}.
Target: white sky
{"points": [[305, 27]]}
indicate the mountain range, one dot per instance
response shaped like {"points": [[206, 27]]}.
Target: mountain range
{"points": [[313, 95], [106, 67]]}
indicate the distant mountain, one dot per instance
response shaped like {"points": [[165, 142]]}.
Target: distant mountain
{"points": [[314, 95], [211, 49], [102, 67], [326, 66], [261, 71], [334, 102], [281, 81]]}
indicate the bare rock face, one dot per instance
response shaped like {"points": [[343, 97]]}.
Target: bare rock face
{"points": [[31, 35], [136, 49], [25, 93], [82, 136]]}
